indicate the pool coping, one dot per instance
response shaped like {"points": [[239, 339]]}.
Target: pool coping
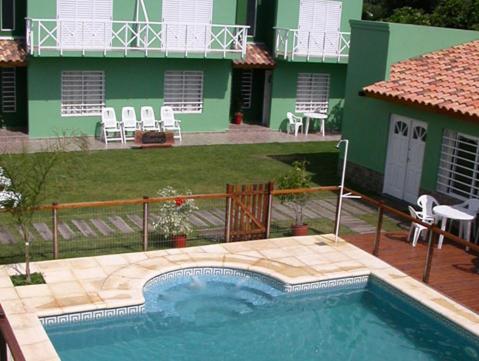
{"points": [[114, 282]]}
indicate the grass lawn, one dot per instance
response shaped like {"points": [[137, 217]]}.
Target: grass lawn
{"points": [[124, 174]]}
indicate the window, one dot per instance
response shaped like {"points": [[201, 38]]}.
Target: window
{"points": [[9, 90], [8, 14], [83, 93], [251, 17], [459, 166], [312, 92], [184, 91], [246, 88]]}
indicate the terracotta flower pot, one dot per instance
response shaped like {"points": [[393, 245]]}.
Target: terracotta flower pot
{"points": [[299, 230], [238, 118], [180, 241]]}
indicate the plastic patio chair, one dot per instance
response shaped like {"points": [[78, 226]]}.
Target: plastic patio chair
{"points": [[294, 124], [111, 126], [148, 120], [129, 123], [169, 123], [415, 230], [427, 203], [471, 205]]}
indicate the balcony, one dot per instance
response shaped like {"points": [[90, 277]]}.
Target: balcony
{"points": [[124, 38], [293, 44]]}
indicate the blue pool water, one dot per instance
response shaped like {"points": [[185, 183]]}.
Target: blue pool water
{"points": [[232, 318]]}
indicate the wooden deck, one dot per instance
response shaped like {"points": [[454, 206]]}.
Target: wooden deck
{"points": [[454, 271]]}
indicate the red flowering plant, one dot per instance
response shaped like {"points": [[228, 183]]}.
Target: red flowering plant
{"points": [[174, 215]]}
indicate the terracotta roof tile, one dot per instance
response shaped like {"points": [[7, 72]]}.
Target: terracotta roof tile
{"points": [[12, 52], [445, 80], [257, 56]]}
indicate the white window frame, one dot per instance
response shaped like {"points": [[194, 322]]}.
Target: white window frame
{"points": [[14, 17], [178, 98], [450, 169], [81, 108], [312, 91], [246, 89], [9, 90]]}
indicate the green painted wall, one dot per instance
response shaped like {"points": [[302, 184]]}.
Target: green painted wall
{"points": [[375, 46], [20, 13], [138, 82], [284, 91]]}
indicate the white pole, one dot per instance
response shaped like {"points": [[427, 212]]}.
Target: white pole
{"points": [[341, 187]]}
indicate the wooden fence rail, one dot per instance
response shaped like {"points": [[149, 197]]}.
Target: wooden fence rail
{"points": [[8, 343]]}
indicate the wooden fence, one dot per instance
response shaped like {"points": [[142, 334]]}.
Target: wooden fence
{"points": [[9, 346]]}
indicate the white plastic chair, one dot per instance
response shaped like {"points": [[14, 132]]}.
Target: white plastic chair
{"points": [[415, 229], [472, 205], [148, 121], [427, 203], [169, 123], [111, 126], [129, 123], [294, 124]]}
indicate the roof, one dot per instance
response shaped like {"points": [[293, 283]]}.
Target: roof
{"points": [[445, 81], [257, 57], [12, 52]]}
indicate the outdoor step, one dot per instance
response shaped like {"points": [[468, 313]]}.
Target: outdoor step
{"points": [[6, 237], [285, 210], [198, 222], [220, 213], [321, 212], [102, 227], [120, 223], [277, 215], [65, 231], [209, 217], [136, 220], [44, 231], [84, 228]]}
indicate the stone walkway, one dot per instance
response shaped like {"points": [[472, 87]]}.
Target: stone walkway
{"points": [[209, 223], [11, 141]]}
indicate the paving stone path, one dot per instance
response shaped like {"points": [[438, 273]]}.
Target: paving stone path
{"points": [[207, 222]]}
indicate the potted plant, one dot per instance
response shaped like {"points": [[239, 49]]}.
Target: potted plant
{"points": [[238, 115], [295, 179], [174, 216]]}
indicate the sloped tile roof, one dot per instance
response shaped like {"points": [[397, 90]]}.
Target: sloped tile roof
{"points": [[257, 57], [446, 81], [12, 52]]}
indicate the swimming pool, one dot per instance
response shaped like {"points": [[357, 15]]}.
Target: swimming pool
{"points": [[238, 315]]}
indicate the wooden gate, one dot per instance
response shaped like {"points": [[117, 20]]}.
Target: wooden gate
{"points": [[248, 212]]}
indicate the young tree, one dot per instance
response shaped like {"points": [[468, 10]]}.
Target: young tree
{"points": [[27, 177]]}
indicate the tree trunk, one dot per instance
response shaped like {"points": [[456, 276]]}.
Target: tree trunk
{"points": [[26, 239]]}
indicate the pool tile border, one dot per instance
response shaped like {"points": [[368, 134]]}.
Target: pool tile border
{"points": [[356, 282]]}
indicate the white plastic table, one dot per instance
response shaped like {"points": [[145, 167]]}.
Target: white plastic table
{"points": [[320, 116], [457, 214]]}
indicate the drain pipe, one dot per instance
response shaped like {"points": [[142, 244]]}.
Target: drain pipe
{"points": [[341, 187]]}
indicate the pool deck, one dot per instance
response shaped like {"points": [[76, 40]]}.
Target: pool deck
{"points": [[94, 283]]}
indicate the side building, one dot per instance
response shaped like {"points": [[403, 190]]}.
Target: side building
{"points": [[412, 110]]}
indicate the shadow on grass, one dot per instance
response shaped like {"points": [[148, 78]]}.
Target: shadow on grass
{"points": [[323, 166]]}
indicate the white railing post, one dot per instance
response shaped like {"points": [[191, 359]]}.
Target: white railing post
{"points": [[186, 41], [39, 38], [224, 42], [206, 39]]}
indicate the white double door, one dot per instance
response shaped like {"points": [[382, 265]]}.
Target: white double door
{"points": [[187, 24], [404, 162], [319, 27], [84, 24]]}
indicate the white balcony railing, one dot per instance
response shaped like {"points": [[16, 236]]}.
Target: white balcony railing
{"points": [[292, 43], [132, 36]]}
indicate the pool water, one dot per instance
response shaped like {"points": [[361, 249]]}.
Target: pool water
{"points": [[243, 318]]}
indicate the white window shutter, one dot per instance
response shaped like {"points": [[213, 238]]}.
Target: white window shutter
{"points": [[312, 92], [183, 91], [83, 93]]}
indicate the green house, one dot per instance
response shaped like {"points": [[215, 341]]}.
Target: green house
{"points": [[411, 110], [206, 58]]}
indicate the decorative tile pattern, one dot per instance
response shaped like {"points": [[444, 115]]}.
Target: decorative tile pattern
{"points": [[92, 315], [169, 277]]}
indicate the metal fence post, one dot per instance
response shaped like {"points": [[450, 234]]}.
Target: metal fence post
{"points": [[145, 223], [229, 191], [379, 228], [336, 216], [55, 230], [270, 208], [433, 236]]}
